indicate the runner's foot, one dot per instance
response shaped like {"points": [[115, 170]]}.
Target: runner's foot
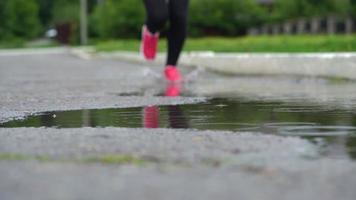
{"points": [[172, 74], [149, 43], [173, 90]]}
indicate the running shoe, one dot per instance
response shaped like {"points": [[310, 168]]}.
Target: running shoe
{"points": [[173, 90], [172, 74], [149, 43]]}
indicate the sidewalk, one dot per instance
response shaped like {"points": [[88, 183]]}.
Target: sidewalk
{"points": [[335, 65]]}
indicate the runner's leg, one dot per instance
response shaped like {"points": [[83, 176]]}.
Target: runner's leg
{"points": [[157, 14], [178, 12]]}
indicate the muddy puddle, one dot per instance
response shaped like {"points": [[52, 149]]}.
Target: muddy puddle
{"points": [[334, 130]]}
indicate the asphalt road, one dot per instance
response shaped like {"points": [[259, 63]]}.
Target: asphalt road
{"points": [[91, 163]]}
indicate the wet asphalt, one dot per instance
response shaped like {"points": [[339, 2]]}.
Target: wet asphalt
{"points": [[47, 163]]}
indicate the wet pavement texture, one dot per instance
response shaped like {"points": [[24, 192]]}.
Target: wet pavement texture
{"points": [[129, 182], [282, 135], [334, 131]]}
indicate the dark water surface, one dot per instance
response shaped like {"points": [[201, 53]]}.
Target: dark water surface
{"points": [[333, 130]]}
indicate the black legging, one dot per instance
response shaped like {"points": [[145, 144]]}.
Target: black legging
{"points": [[174, 11]]}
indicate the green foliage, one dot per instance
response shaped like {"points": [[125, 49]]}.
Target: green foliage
{"points": [[123, 18], [308, 8], [223, 17], [11, 43], [25, 19], [353, 7], [4, 24], [19, 19], [65, 11], [45, 12], [118, 18]]}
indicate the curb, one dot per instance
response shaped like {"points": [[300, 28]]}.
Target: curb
{"points": [[34, 51], [335, 65]]}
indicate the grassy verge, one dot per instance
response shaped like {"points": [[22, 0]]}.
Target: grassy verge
{"points": [[12, 43], [302, 43], [15, 43]]}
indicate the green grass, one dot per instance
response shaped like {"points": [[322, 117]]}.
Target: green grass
{"points": [[13, 157], [116, 160], [103, 159], [302, 43], [21, 157], [12, 43], [15, 43]]}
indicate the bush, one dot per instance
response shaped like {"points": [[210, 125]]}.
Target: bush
{"points": [[4, 24], [45, 12], [118, 18], [66, 16], [307, 8], [223, 17], [19, 19], [65, 11], [123, 18], [353, 7]]}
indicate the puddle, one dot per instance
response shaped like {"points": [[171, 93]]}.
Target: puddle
{"points": [[333, 130]]}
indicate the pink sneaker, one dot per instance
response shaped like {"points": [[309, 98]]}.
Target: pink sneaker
{"points": [[172, 90], [149, 43], [172, 74]]}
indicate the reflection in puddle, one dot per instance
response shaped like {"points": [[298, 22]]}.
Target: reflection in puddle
{"points": [[331, 129]]}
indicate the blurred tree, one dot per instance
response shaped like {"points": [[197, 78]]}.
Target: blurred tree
{"points": [[65, 17], [118, 18], [353, 7], [47, 8], [223, 17], [308, 8], [327, 7], [19, 19], [123, 18], [65, 11], [4, 23], [45, 12]]}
